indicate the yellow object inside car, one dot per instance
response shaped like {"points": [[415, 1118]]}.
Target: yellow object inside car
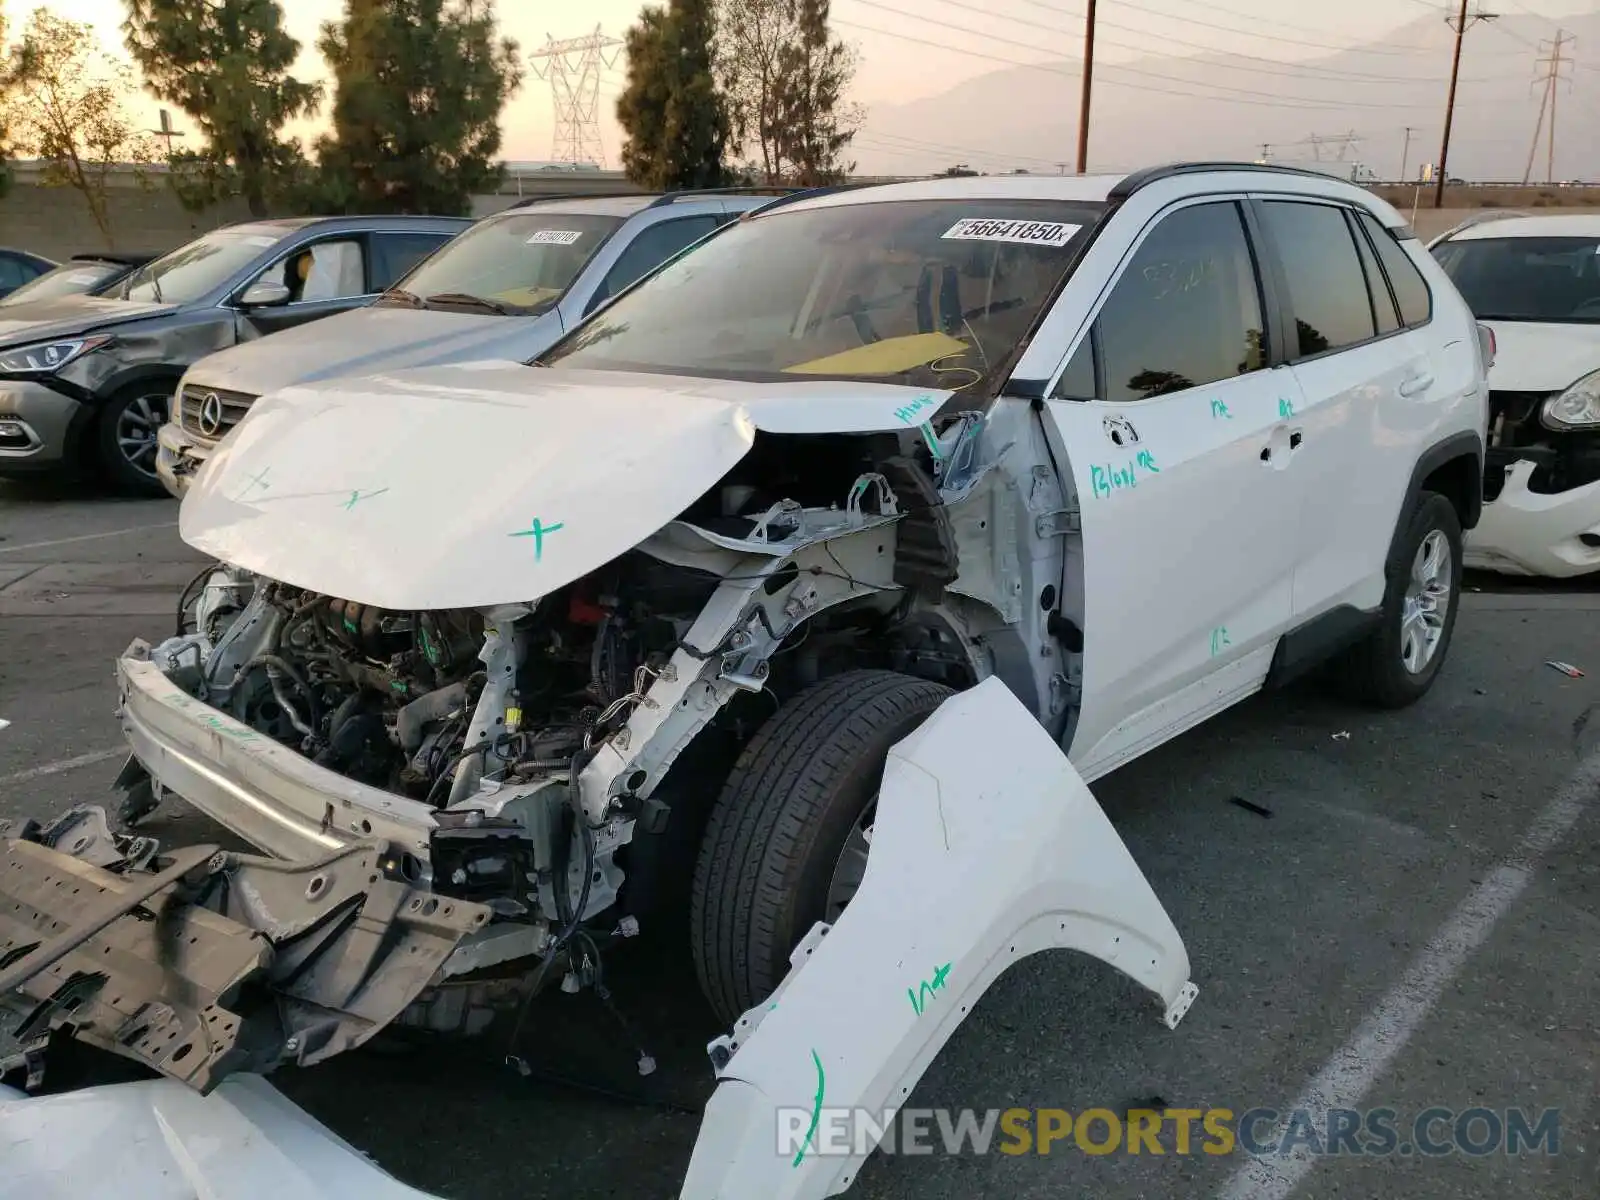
{"points": [[527, 296], [892, 356]]}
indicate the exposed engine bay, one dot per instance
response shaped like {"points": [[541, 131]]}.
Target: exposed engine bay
{"points": [[1564, 459]]}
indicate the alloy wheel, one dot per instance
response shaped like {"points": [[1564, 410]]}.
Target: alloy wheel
{"points": [[136, 431], [1427, 602]]}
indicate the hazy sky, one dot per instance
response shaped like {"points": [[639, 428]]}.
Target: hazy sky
{"points": [[900, 63]]}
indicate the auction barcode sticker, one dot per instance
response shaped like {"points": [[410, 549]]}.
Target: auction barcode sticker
{"points": [[1028, 233], [555, 237]]}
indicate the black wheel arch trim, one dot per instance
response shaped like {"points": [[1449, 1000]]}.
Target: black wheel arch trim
{"points": [[1306, 647], [1457, 445]]}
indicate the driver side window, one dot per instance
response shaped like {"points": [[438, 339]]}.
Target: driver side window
{"points": [[331, 270], [1185, 312]]}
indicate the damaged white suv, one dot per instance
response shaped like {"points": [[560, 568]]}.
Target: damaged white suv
{"points": [[799, 591]]}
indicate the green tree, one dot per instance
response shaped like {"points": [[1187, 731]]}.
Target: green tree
{"points": [[814, 128], [419, 85], [673, 110], [66, 108], [226, 64], [751, 36]]}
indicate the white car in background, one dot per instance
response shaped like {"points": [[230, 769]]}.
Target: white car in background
{"points": [[1535, 281]]}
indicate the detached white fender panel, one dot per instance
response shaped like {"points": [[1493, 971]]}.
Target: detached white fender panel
{"points": [[987, 847], [161, 1140]]}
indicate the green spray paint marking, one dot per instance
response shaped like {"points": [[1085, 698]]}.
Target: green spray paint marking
{"points": [[1219, 641], [906, 411], [932, 439], [537, 531], [1103, 480], [920, 997], [1219, 409], [355, 496], [816, 1109], [1285, 409]]}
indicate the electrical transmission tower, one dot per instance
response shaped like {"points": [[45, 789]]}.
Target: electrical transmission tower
{"points": [[1551, 65], [573, 66], [1346, 142]]}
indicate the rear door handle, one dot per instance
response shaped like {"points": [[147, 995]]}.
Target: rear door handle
{"points": [[1295, 439], [1417, 383]]}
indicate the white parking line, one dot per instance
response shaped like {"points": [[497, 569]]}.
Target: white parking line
{"points": [[65, 764], [1357, 1064], [86, 537]]}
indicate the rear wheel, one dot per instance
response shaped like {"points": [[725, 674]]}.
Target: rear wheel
{"points": [[127, 436], [786, 845], [1399, 660]]}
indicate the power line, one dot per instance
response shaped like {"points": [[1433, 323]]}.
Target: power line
{"points": [[1229, 29], [1276, 99], [1331, 74]]}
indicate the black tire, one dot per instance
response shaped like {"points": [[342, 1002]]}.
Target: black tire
{"points": [[781, 823], [122, 473], [1374, 671]]}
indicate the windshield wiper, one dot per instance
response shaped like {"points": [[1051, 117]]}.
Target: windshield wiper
{"points": [[467, 299]]}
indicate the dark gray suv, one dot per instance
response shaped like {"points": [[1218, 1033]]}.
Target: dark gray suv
{"points": [[85, 381]]}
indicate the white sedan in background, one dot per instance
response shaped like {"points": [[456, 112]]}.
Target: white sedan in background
{"points": [[1535, 281]]}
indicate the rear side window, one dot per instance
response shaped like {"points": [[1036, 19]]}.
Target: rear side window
{"points": [[1327, 289], [1410, 289], [393, 254], [651, 248], [1382, 302], [1184, 313]]}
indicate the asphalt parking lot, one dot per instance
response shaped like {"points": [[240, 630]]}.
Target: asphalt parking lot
{"points": [[1404, 913]]}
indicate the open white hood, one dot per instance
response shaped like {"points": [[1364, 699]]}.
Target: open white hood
{"points": [[490, 483]]}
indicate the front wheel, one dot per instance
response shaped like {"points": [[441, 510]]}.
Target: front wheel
{"points": [[1398, 662], [786, 845], [127, 437]]}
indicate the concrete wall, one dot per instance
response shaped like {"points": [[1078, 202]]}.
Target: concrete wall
{"points": [[55, 221]]}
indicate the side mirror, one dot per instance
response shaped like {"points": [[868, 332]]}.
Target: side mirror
{"points": [[265, 294]]}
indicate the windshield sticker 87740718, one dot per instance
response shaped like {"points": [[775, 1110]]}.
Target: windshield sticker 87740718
{"points": [[555, 237], [1028, 233]]}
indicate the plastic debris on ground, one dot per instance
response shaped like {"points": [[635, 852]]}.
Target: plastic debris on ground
{"points": [[1566, 669], [1342, 736]]}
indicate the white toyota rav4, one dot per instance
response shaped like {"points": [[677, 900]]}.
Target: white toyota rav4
{"points": [[800, 592]]}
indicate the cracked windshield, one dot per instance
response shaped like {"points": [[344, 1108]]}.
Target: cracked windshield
{"points": [[514, 264], [927, 293]]}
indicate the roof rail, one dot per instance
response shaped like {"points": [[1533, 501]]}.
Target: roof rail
{"points": [[1140, 179], [525, 201], [807, 194], [696, 193]]}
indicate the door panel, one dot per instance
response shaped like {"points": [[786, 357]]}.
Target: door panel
{"points": [[1348, 359], [1189, 503]]}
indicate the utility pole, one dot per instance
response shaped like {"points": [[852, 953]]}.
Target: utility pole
{"points": [[166, 133], [1405, 153], [1088, 81], [1460, 24]]}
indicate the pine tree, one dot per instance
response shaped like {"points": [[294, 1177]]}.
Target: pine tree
{"points": [[419, 86], [673, 110], [813, 71], [225, 63]]}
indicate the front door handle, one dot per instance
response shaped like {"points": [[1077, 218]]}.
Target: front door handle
{"points": [[1417, 383], [1295, 439]]}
